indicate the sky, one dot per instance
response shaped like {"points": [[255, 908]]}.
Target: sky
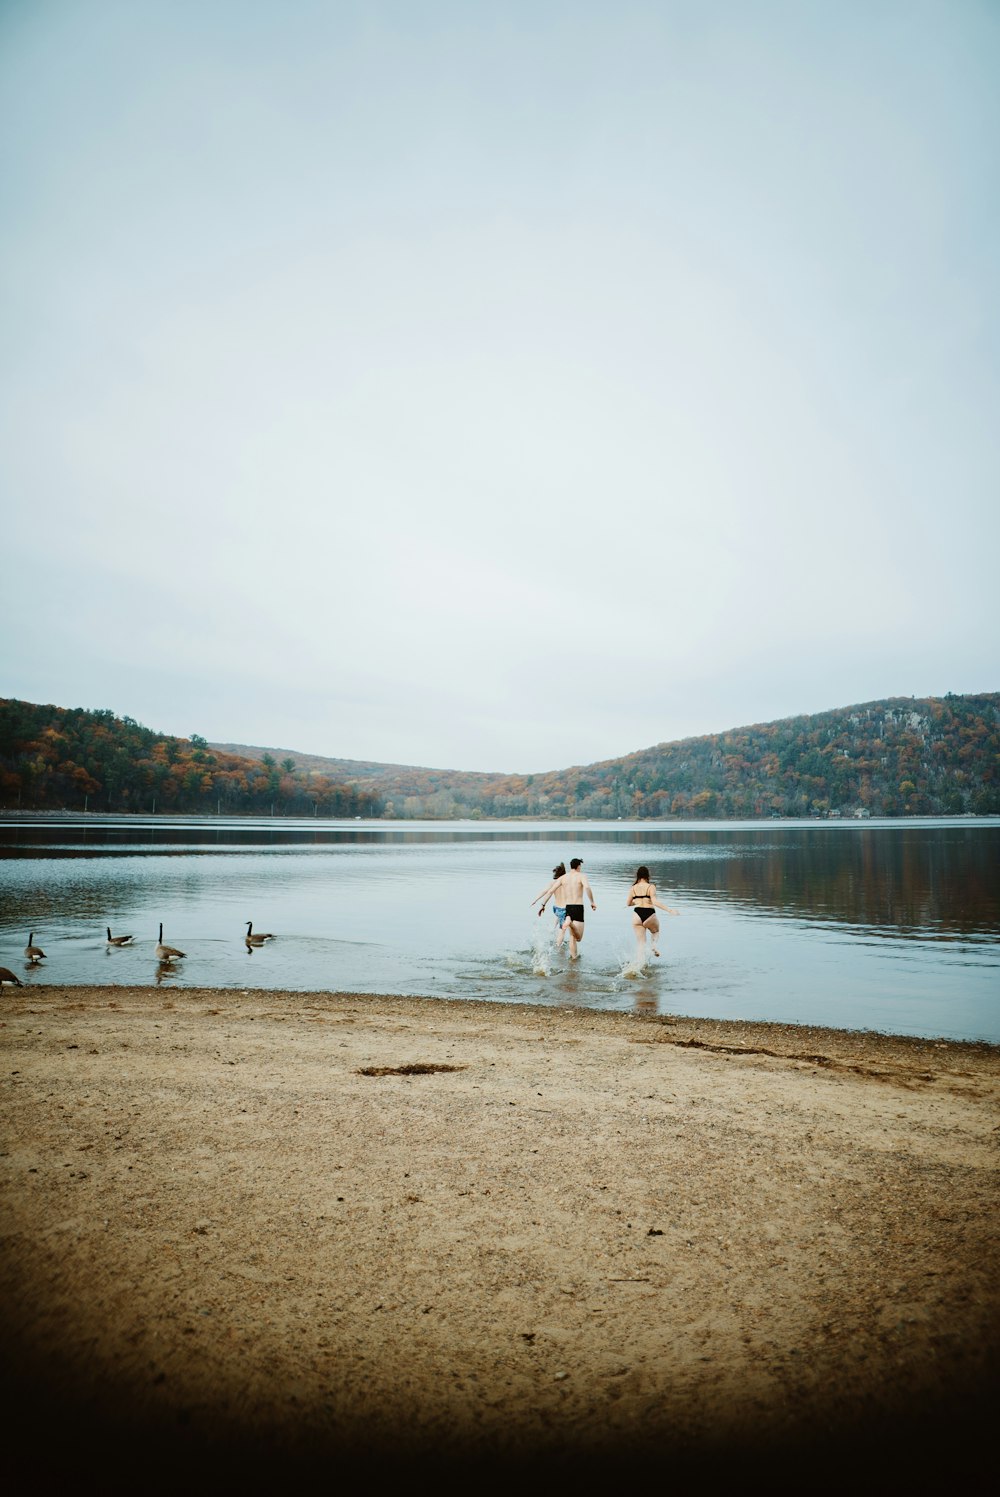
{"points": [[498, 386]]}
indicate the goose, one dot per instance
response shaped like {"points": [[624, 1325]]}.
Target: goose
{"points": [[166, 953], [33, 953], [117, 940], [7, 976], [258, 939]]}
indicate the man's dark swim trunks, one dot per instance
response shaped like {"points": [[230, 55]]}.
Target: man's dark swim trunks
{"points": [[574, 912]]}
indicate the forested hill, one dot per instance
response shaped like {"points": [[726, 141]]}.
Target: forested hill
{"points": [[897, 757], [70, 758], [348, 769], [900, 757]]}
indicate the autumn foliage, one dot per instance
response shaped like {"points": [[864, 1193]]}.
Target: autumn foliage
{"points": [[73, 759], [902, 756]]}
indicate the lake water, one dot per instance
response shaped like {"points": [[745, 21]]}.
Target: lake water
{"points": [[873, 925]]}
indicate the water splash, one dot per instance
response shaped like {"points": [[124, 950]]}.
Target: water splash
{"points": [[536, 959], [633, 966], [541, 956]]}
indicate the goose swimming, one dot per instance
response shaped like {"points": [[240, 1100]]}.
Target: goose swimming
{"points": [[166, 953]]}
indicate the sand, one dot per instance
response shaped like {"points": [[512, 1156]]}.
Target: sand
{"points": [[252, 1233]]}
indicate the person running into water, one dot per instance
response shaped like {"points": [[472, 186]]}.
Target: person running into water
{"points": [[643, 903], [554, 891], [576, 886]]}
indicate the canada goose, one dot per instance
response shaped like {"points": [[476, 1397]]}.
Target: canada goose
{"points": [[166, 953], [33, 953], [258, 939], [117, 940], [7, 976]]}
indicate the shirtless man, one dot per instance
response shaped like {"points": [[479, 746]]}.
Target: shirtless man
{"points": [[575, 886]]}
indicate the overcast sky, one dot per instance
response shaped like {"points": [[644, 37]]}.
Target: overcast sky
{"points": [[497, 385]]}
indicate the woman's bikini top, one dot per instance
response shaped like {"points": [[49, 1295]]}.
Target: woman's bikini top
{"points": [[647, 894]]}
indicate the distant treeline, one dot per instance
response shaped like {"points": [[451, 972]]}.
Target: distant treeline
{"points": [[73, 759], [904, 756]]}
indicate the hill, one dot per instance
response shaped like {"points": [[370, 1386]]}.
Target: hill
{"points": [[895, 757], [75, 759], [351, 769], [903, 756]]}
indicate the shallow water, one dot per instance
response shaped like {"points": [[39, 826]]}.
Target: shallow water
{"points": [[890, 926]]}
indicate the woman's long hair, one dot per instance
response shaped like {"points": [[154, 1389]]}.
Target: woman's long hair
{"points": [[559, 870], [642, 875]]}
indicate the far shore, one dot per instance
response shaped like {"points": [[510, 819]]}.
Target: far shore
{"points": [[256, 1237], [18, 814]]}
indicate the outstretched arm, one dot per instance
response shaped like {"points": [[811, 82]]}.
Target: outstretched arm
{"points": [[549, 889], [666, 908], [590, 894]]}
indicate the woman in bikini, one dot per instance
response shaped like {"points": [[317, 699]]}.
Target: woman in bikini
{"points": [[553, 889], [643, 903]]}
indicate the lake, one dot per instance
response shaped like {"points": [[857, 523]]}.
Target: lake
{"points": [[892, 926]]}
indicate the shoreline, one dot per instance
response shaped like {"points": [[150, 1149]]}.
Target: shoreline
{"points": [[687, 1027], [214, 817], [250, 1230]]}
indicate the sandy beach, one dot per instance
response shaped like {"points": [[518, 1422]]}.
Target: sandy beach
{"points": [[248, 1233]]}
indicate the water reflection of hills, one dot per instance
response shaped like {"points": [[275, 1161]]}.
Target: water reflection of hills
{"points": [[940, 882], [182, 840], [926, 880]]}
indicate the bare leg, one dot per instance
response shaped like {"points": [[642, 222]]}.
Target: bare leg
{"points": [[574, 929], [640, 940], [559, 933], [653, 926]]}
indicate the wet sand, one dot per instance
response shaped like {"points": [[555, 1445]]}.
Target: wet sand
{"points": [[259, 1237]]}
